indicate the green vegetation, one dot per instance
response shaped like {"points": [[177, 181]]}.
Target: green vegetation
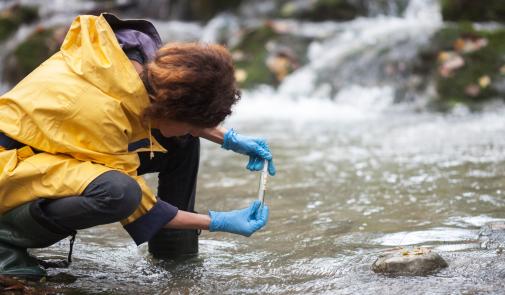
{"points": [[30, 54], [322, 10], [485, 63], [205, 10], [473, 10], [255, 55], [262, 45], [12, 18]]}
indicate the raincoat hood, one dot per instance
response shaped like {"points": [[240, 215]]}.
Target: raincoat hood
{"points": [[91, 50]]}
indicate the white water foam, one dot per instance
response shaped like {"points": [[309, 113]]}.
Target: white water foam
{"points": [[352, 103], [441, 234]]}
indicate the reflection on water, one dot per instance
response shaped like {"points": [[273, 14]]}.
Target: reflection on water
{"points": [[346, 189]]}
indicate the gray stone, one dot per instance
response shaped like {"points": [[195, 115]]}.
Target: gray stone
{"points": [[492, 235], [409, 262]]}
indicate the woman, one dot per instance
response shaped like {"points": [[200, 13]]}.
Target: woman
{"points": [[75, 135]]}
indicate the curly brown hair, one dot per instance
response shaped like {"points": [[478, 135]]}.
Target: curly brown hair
{"points": [[192, 83]]}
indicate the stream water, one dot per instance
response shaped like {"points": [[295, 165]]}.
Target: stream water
{"points": [[357, 174], [347, 187]]}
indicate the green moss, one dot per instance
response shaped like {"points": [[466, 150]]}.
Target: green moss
{"points": [[253, 46], [205, 10], [7, 27], [473, 10], [12, 18], [27, 14], [255, 54], [29, 55], [323, 10], [486, 61]]}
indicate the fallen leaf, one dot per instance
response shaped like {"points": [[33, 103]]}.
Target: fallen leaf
{"points": [[240, 75], [502, 70], [472, 90], [450, 62], [484, 81], [468, 45], [13, 287]]}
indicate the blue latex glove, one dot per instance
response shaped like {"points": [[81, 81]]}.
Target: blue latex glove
{"points": [[243, 222], [256, 148]]}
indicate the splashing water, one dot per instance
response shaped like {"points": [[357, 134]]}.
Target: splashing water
{"points": [[352, 53]]}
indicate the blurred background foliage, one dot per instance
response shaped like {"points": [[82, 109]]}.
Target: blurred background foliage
{"points": [[463, 61]]}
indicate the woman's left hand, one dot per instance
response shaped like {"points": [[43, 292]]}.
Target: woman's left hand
{"points": [[256, 148], [243, 222]]}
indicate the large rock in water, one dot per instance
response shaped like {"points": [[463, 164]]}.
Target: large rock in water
{"points": [[409, 262], [492, 235]]}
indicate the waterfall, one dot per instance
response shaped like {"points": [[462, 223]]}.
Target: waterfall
{"points": [[344, 79], [351, 56]]}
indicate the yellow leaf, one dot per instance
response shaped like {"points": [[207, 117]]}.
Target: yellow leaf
{"points": [[240, 75], [484, 81]]}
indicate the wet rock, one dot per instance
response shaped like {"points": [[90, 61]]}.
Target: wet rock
{"points": [[205, 10], [402, 261], [62, 278], [12, 285], [322, 10], [471, 10], [386, 7], [29, 54], [492, 235], [13, 17], [196, 10]]}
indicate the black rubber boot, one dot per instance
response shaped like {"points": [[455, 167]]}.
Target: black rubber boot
{"points": [[19, 230], [174, 243], [178, 170]]}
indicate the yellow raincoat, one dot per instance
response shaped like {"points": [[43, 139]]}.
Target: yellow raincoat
{"points": [[80, 108]]}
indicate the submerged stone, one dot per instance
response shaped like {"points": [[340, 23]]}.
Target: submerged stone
{"points": [[62, 278], [13, 285], [402, 261], [492, 235]]}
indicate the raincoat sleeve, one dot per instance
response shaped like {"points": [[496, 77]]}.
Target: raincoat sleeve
{"points": [[151, 216]]}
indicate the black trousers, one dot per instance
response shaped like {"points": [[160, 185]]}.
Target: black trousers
{"points": [[113, 196]]}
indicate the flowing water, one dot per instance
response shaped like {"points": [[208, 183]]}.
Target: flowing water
{"points": [[357, 174], [347, 187]]}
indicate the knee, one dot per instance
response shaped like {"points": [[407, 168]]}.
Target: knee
{"points": [[122, 194]]}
